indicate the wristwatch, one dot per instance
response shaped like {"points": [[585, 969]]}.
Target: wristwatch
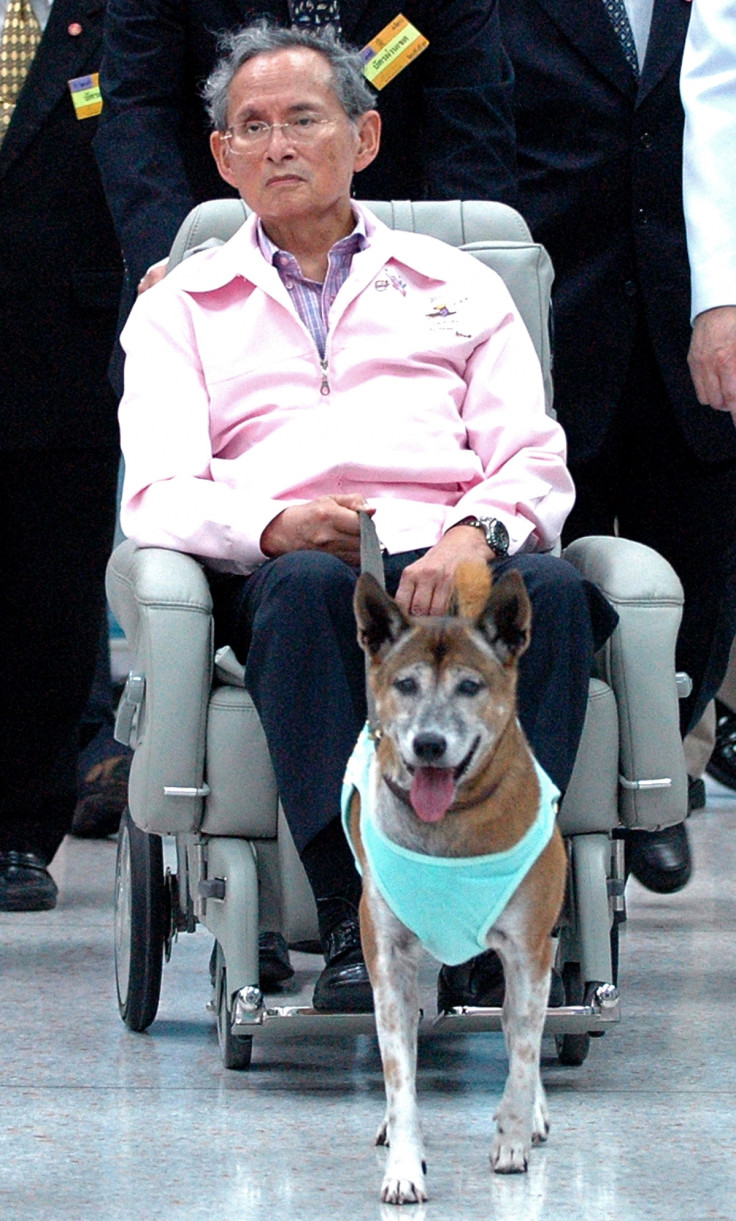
{"points": [[496, 534]]}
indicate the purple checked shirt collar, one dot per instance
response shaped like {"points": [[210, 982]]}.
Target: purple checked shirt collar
{"points": [[313, 300]]}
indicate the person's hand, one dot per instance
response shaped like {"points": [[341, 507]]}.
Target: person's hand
{"points": [[155, 272], [712, 358], [330, 524], [426, 585]]}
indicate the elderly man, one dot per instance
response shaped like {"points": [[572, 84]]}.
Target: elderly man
{"points": [[315, 365]]}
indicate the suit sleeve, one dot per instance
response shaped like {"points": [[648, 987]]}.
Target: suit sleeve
{"points": [[709, 172], [139, 144], [468, 85]]}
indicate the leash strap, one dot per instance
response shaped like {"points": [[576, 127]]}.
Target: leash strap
{"points": [[371, 560]]}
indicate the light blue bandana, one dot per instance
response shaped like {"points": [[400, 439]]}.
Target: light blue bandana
{"points": [[450, 903]]}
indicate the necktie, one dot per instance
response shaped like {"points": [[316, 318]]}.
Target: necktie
{"points": [[314, 13], [21, 36], [616, 10]]}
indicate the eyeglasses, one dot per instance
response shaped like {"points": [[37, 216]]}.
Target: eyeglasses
{"points": [[254, 133]]}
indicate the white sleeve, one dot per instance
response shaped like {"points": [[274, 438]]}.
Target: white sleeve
{"points": [[708, 86]]}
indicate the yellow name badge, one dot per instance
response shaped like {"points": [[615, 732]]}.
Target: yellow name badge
{"points": [[86, 96], [391, 51]]}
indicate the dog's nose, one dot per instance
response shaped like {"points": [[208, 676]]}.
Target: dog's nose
{"points": [[429, 747]]}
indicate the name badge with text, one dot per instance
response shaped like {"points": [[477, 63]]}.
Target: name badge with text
{"points": [[86, 95], [391, 51]]}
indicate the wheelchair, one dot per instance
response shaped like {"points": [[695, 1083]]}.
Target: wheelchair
{"points": [[201, 772]]}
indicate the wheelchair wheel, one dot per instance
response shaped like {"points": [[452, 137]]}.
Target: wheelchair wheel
{"points": [[141, 922], [572, 1049], [235, 1049]]}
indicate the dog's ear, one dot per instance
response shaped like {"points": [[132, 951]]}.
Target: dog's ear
{"points": [[380, 620], [507, 617], [471, 589]]}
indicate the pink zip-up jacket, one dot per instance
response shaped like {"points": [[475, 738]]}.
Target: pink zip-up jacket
{"points": [[429, 402]]}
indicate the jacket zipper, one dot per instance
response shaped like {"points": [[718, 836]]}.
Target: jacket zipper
{"points": [[325, 387]]}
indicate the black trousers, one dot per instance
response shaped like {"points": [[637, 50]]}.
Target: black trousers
{"points": [[58, 517], [646, 484], [292, 625]]}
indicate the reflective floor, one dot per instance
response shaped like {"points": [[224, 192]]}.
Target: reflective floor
{"points": [[97, 1122]]}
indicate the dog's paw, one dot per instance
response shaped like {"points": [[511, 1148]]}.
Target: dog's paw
{"points": [[403, 1190], [403, 1182], [509, 1156]]}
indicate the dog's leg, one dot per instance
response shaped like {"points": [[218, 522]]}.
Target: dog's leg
{"points": [[392, 957], [522, 1117]]}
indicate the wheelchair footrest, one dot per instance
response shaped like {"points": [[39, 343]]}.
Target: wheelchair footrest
{"points": [[595, 1017], [296, 1020], [600, 1011]]}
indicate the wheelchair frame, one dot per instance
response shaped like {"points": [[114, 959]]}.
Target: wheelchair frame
{"points": [[630, 771]]}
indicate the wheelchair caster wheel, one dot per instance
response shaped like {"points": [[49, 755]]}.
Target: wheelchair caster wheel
{"points": [[141, 921], [236, 1050], [572, 1049]]}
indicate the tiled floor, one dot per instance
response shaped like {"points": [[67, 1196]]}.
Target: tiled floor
{"points": [[100, 1123]]}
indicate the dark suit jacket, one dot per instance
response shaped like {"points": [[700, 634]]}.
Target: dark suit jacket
{"points": [[447, 126], [600, 179], [60, 264]]}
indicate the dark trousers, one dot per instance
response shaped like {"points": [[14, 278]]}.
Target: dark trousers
{"points": [[646, 482], [292, 624], [58, 515]]}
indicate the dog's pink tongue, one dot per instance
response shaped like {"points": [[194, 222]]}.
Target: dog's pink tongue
{"points": [[432, 791]]}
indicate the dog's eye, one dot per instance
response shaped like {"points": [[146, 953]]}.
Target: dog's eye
{"points": [[469, 686], [406, 686]]}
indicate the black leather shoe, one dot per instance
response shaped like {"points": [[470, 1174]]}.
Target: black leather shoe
{"points": [[480, 983], [722, 765], [25, 883], [274, 964], [660, 860], [344, 986]]}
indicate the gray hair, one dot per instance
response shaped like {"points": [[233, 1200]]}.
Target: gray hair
{"points": [[263, 38]]}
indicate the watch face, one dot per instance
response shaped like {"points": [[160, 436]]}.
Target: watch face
{"points": [[497, 536]]}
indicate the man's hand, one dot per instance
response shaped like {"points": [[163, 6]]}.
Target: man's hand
{"points": [[155, 272], [330, 524], [712, 358], [426, 585]]}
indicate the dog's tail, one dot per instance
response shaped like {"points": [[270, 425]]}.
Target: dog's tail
{"points": [[472, 589]]}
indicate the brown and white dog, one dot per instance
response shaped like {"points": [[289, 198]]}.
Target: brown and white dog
{"points": [[453, 777]]}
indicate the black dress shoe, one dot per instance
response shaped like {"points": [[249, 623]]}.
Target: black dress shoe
{"points": [[660, 860], [274, 964], [344, 986], [480, 983], [722, 764], [25, 883]]}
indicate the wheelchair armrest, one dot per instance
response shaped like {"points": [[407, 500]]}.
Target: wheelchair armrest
{"points": [[163, 604], [638, 662]]}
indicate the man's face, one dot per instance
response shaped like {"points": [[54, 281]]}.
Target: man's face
{"points": [[286, 178]]}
